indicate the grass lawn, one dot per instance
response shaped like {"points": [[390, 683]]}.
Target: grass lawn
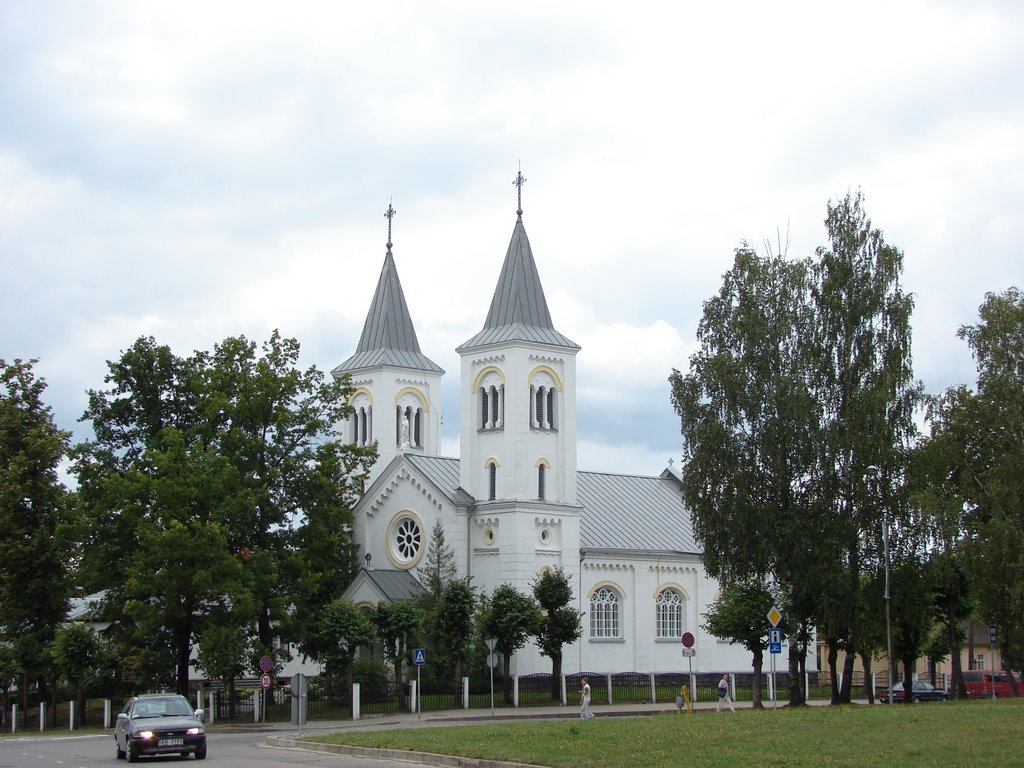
{"points": [[982, 733]]}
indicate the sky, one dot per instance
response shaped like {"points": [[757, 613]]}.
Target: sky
{"points": [[194, 171]]}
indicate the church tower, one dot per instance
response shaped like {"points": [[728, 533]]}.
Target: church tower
{"points": [[397, 387], [518, 429]]}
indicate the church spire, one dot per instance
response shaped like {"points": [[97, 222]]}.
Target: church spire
{"points": [[388, 337], [519, 311]]}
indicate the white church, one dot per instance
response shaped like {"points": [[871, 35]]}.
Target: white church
{"points": [[514, 502]]}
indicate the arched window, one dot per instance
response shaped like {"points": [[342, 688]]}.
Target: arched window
{"points": [[540, 482], [670, 613], [362, 432], [492, 481], [543, 389], [491, 392], [604, 614]]}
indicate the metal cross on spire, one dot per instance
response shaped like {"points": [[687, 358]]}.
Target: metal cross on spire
{"points": [[518, 183], [389, 216]]}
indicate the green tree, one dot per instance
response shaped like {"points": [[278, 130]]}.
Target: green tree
{"points": [[344, 627], [77, 653], [511, 618], [275, 424], [935, 474], [453, 621], [560, 623], [862, 382], [439, 570], [991, 422], [36, 554], [740, 616], [323, 559], [205, 475], [224, 650], [440, 562], [749, 426], [398, 623]]}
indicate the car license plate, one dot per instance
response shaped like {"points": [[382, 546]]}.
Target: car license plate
{"points": [[171, 742]]}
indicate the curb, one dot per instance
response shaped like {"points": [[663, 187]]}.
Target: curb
{"points": [[424, 758]]}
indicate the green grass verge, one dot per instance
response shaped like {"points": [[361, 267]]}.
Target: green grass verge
{"points": [[859, 736]]}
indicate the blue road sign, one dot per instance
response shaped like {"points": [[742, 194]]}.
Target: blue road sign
{"points": [[774, 636], [419, 657], [775, 647]]}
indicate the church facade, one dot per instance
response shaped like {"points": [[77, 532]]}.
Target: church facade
{"points": [[514, 502]]}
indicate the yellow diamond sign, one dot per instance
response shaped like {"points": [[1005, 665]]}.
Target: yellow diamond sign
{"points": [[774, 616]]}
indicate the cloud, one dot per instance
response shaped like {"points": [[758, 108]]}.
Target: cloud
{"points": [[198, 172]]}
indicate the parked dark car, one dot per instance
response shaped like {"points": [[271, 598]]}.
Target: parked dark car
{"points": [[159, 724], [921, 691]]}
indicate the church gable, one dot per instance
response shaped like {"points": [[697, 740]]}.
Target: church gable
{"points": [[396, 515]]}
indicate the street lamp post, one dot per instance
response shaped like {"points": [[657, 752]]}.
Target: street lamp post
{"points": [[875, 474]]}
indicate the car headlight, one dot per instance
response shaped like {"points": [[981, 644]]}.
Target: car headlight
{"points": [[144, 734], [194, 731]]}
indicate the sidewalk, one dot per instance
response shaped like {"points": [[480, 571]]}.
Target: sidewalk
{"points": [[501, 714]]}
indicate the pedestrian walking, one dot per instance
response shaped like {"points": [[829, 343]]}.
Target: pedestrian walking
{"points": [[723, 693], [585, 713]]}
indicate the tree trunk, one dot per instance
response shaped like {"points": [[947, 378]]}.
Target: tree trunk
{"points": [[957, 685], [458, 674], [847, 683], [556, 677], [755, 701], [833, 675], [79, 703], [183, 652], [796, 689], [865, 660], [400, 683], [506, 677]]}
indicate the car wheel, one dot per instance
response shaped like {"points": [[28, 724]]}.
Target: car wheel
{"points": [[917, 699], [201, 753], [118, 752], [133, 753]]}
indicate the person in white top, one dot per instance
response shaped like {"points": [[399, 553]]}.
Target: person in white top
{"points": [[723, 693], [585, 713]]}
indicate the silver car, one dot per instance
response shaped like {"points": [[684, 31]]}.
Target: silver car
{"points": [[159, 724]]}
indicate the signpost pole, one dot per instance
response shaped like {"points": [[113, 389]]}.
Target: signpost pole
{"points": [[492, 660], [774, 646], [992, 656]]}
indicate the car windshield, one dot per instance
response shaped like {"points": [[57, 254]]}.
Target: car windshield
{"points": [[169, 707]]}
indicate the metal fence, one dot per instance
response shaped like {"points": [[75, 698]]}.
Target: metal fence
{"points": [[331, 699]]}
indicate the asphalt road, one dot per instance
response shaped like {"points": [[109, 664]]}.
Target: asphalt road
{"points": [[226, 749]]}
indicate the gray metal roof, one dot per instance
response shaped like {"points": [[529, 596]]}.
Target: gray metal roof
{"points": [[395, 585], [633, 512], [389, 338], [624, 513], [519, 311]]}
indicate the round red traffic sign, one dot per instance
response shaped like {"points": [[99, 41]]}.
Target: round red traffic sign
{"points": [[687, 638], [265, 681], [266, 663]]}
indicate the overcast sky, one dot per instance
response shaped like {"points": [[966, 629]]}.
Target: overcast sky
{"points": [[199, 170]]}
